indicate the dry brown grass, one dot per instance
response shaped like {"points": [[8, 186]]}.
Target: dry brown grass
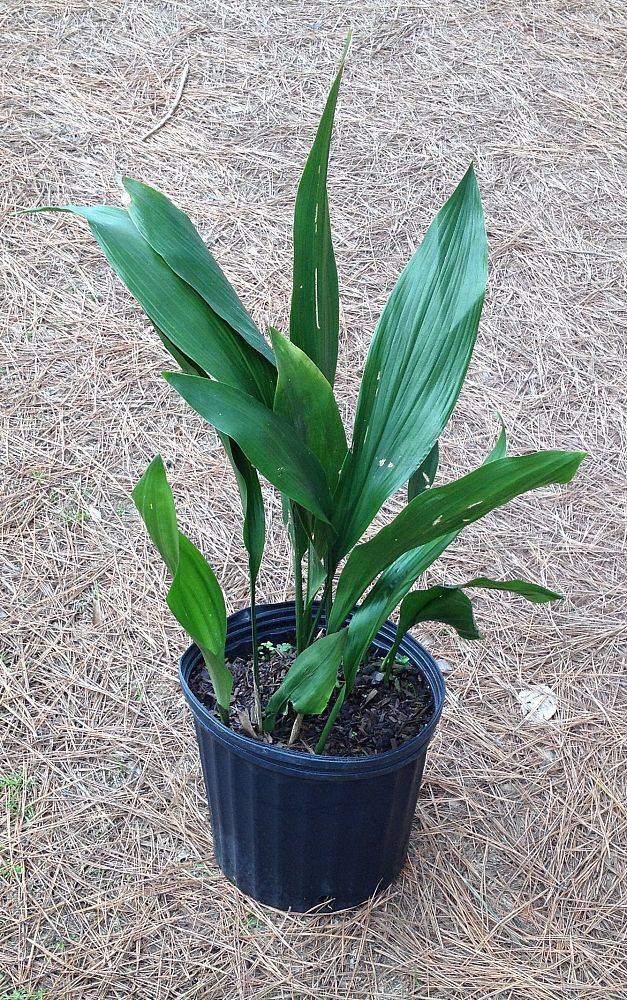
{"points": [[515, 885]]}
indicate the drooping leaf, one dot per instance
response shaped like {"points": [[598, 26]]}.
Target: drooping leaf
{"points": [[306, 399], [175, 308], [447, 509], [171, 233], [396, 581], [417, 361], [267, 439], [424, 475], [195, 597], [531, 591], [448, 605], [310, 681], [452, 607], [315, 310]]}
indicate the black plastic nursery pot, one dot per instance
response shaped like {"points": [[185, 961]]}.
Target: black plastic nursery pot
{"points": [[294, 830]]}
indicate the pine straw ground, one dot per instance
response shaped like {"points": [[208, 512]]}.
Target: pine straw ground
{"points": [[514, 887]]}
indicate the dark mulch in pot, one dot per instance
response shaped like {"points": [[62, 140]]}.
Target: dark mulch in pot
{"points": [[373, 719]]}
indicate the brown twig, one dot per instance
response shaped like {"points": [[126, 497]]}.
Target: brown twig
{"points": [[177, 100]]}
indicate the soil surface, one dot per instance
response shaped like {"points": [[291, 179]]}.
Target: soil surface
{"points": [[373, 719]]}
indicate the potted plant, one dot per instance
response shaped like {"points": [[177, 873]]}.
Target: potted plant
{"points": [[313, 717]]}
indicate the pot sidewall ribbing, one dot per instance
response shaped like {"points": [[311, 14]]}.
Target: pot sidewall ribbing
{"points": [[297, 831]]}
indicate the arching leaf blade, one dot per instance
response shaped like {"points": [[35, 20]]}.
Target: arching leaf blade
{"points": [[444, 510], [267, 439], [154, 501], [171, 233], [396, 581], [174, 307]]}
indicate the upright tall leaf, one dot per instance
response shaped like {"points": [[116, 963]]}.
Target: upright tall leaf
{"points": [[446, 509], [267, 439], [315, 309], [417, 361], [171, 233]]}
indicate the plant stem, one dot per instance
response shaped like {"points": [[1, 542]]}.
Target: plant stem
{"points": [[328, 726], [298, 600], [390, 657], [253, 627]]}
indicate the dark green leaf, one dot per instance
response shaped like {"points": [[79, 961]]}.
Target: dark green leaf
{"points": [[171, 233], [424, 475], [306, 399], [254, 532], [531, 591], [314, 314], [448, 605], [311, 679], [267, 439], [395, 582], [417, 361], [175, 308], [447, 509]]}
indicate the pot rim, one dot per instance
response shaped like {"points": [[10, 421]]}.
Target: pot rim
{"points": [[313, 765]]}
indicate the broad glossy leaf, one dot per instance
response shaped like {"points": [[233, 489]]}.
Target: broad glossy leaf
{"points": [[267, 439], [315, 309], [424, 475], [175, 308], [395, 582], [306, 399], [311, 679], [448, 605], [417, 361], [447, 509], [171, 233], [195, 597]]}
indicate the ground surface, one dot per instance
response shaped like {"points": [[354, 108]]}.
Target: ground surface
{"points": [[513, 883]]}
